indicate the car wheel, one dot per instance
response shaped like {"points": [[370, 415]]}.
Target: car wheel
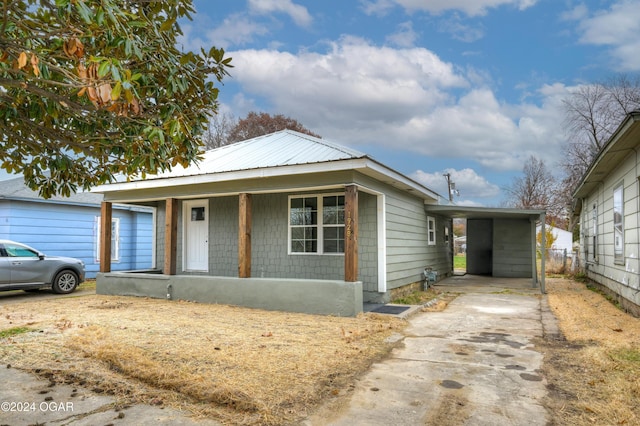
{"points": [[65, 282]]}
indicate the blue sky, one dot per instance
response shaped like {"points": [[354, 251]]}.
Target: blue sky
{"points": [[468, 87]]}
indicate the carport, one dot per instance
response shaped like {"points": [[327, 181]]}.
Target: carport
{"points": [[500, 242]]}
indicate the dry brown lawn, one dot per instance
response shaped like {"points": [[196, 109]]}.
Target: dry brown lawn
{"points": [[238, 365], [594, 375], [248, 366]]}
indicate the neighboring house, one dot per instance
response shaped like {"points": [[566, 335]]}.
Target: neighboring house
{"points": [[563, 240], [67, 226], [291, 222], [607, 203]]}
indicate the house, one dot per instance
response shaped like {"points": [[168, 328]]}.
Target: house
{"points": [[67, 226], [606, 205], [563, 243], [287, 221]]}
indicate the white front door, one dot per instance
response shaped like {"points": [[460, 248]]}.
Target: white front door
{"points": [[196, 235]]}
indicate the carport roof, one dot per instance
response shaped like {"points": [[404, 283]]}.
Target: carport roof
{"points": [[464, 212]]}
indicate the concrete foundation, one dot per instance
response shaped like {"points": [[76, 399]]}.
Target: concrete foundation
{"points": [[322, 297]]}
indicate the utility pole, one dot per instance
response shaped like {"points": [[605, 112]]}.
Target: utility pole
{"points": [[448, 176]]}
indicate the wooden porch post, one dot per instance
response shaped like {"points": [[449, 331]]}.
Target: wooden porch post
{"points": [[170, 236], [351, 234], [105, 236], [244, 235]]}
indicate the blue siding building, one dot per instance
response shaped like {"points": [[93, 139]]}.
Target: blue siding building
{"points": [[64, 226]]}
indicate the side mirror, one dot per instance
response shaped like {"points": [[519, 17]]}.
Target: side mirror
{"points": [[40, 256]]}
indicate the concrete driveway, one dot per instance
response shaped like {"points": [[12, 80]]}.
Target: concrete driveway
{"points": [[474, 363]]}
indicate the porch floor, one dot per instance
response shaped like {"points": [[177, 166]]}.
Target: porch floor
{"points": [[485, 284], [461, 283]]}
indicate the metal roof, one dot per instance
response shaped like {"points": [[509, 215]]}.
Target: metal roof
{"points": [[284, 153], [284, 148], [16, 189]]}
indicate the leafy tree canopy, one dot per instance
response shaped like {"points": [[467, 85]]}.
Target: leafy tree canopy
{"points": [[258, 124], [94, 88]]}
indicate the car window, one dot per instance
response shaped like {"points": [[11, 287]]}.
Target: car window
{"points": [[19, 251]]}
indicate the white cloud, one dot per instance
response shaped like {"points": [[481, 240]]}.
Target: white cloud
{"points": [[358, 93], [578, 13], [617, 27], [405, 36], [471, 8], [467, 182], [460, 31], [235, 30], [377, 7], [299, 14]]}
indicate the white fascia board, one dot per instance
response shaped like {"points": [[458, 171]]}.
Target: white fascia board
{"points": [[232, 176], [409, 184], [358, 164]]}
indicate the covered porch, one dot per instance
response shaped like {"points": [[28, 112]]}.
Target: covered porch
{"points": [[308, 295]]}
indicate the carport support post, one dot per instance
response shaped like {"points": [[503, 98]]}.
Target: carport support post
{"points": [[351, 233], [105, 236], [244, 236], [170, 236], [543, 252]]}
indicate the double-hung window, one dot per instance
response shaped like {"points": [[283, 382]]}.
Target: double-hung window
{"points": [[431, 231], [316, 224], [618, 224]]}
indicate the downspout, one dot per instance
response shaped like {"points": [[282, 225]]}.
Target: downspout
{"points": [[534, 250], [543, 253]]}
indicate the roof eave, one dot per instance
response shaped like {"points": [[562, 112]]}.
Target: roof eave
{"points": [[364, 165], [589, 178]]}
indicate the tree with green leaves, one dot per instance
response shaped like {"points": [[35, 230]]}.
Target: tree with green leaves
{"points": [[91, 89]]}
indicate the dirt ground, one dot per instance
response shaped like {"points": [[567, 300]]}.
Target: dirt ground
{"points": [[247, 366], [238, 365], [593, 372]]}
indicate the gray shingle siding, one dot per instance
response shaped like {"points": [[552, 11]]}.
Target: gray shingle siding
{"points": [[269, 241], [407, 248], [368, 241]]}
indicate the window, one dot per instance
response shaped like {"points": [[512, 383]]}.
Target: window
{"points": [[316, 224], [618, 223], [197, 214], [431, 231], [13, 250], [115, 239]]}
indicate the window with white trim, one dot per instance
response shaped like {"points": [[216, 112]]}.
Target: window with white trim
{"points": [[115, 239], [618, 223], [316, 224], [431, 231]]}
